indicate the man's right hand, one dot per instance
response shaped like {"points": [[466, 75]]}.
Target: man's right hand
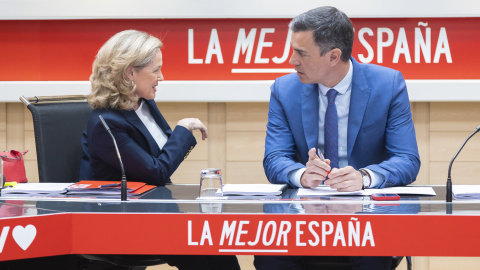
{"points": [[316, 170]]}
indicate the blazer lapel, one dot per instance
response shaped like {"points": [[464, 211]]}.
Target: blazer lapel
{"points": [[358, 104], [310, 119], [132, 117]]}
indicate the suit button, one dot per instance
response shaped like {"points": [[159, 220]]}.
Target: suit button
{"points": [[186, 155]]}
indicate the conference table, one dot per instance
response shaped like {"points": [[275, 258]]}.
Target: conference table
{"points": [[171, 220]]}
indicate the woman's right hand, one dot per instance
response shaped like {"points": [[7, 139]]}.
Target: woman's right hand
{"points": [[193, 124]]}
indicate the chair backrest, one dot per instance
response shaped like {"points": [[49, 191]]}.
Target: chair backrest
{"points": [[58, 126]]}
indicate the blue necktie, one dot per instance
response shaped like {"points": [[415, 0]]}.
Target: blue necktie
{"points": [[331, 129]]}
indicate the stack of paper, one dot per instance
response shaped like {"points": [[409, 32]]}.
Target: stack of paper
{"points": [[46, 189], [466, 191], [257, 191], [327, 191], [99, 188]]}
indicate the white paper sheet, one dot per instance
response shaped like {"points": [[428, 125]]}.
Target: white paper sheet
{"points": [[327, 191], [466, 191], [253, 189], [37, 188]]}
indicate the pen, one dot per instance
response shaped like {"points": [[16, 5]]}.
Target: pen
{"points": [[320, 155], [322, 158], [110, 185]]}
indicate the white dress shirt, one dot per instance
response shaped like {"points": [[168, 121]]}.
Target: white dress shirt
{"points": [[157, 133]]}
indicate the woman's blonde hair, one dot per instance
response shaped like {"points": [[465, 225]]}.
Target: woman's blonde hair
{"points": [[111, 88]]}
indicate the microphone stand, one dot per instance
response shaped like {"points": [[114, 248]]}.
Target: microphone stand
{"points": [[123, 187], [449, 178]]}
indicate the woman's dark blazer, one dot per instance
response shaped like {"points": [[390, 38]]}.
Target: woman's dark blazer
{"points": [[142, 158]]}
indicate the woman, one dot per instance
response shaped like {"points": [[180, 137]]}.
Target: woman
{"points": [[125, 75]]}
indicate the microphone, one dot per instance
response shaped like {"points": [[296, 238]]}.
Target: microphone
{"points": [[449, 179], [123, 188]]}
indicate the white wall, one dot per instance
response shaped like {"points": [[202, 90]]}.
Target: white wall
{"points": [[88, 9]]}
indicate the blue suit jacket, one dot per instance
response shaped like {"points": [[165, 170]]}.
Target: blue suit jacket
{"points": [[142, 158], [381, 136]]}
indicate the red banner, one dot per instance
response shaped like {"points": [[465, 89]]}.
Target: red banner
{"points": [[273, 234], [362, 235], [150, 233], [36, 236], [236, 49]]}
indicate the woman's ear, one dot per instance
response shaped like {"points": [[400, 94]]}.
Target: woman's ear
{"points": [[130, 72]]}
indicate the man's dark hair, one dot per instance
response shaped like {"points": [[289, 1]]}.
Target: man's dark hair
{"points": [[331, 29]]}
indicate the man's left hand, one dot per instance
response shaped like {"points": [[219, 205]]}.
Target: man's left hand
{"points": [[345, 179]]}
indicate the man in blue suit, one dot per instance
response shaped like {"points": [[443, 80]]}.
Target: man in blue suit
{"points": [[374, 145]]}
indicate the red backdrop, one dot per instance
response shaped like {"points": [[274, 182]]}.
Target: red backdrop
{"points": [[63, 50]]}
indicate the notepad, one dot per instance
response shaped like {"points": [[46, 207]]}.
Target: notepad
{"points": [[94, 188]]}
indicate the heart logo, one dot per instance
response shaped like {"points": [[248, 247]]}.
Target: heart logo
{"points": [[24, 236]]}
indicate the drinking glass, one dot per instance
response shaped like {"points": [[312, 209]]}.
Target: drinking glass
{"points": [[210, 183]]}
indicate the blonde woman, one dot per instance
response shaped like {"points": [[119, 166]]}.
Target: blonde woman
{"points": [[126, 73]]}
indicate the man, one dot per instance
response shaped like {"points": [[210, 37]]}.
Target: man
{"points": [[365, 130]]}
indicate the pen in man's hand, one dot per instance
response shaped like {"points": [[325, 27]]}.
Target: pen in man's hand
{"points": [[322, 158], [319, 154]]}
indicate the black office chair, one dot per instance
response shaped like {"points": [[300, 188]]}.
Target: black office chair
{"points": [[58, 123]]}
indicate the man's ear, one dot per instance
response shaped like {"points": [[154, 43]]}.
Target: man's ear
{"points": [[335, 56], [129, 73]]}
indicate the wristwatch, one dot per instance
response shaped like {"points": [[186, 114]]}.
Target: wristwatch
{"points": [[367, 180]]}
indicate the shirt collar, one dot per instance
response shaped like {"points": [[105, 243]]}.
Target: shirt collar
{"points": [[342, 86]]}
